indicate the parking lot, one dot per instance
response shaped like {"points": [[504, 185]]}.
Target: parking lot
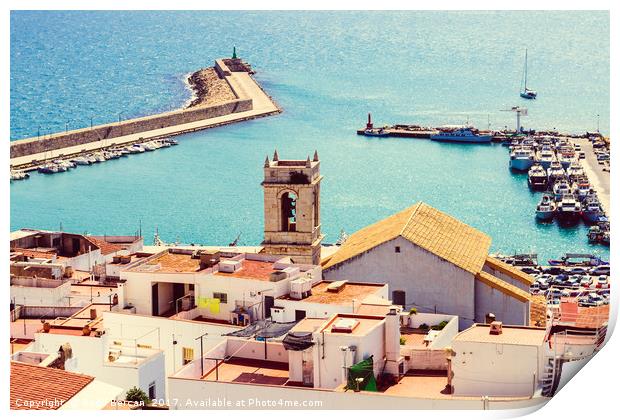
{"points": [[589, 285]]}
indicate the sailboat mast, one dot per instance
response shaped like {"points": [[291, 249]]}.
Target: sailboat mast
{"points": [[525, 70]]}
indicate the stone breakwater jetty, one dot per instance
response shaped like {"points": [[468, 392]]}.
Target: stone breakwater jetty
{"points": [[224, 94]]}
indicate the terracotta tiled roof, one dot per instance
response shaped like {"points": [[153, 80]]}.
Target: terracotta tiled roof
{"points": [[509, 270], [504, 287], [426, 227], [34, 384], [105, 247], [538, 311]]}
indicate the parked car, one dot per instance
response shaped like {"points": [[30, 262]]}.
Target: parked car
{"points": [[529, 270], [577, 270], [600, 270], [602, 282]]}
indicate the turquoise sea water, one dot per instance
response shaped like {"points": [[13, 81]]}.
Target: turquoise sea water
{"points": [[327, 70]]}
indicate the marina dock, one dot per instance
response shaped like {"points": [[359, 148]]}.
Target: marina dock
{"points": [[252, 102]]}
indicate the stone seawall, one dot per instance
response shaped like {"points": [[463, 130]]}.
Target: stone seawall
{"points": [[108, 131]]}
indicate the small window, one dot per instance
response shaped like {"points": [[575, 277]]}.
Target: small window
{"points": [[152, 390], [397, 249], [191, 287], [188, 355], [223, 297]]}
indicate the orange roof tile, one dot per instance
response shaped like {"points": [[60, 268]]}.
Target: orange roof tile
{"points": [[41, 386], [426, 227], [105, 247]]}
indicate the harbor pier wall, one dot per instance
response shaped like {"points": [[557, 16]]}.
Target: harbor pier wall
{"points": [[137, 125]]}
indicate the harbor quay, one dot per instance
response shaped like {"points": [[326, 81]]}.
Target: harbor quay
{"points": [[407, 312], [230, 95]]}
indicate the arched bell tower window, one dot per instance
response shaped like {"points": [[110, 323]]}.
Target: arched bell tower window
{"points": [[288, 203]]}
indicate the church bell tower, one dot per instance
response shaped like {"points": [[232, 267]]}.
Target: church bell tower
{"points": [[292, 190]]}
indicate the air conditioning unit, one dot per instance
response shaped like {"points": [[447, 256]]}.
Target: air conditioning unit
{"points": [[300, 289], [229, 266]]}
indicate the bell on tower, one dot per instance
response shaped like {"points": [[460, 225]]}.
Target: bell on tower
{"points": [[292, 209]]}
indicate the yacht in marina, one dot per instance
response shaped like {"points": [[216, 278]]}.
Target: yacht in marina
{"points": [[592, 211], [575, 171], [561, 188], [521, 159], [545, 211], [555, 172], [583, 189], [136, 148], [19, 175], [566, 159], [546, 157], [81, 160], [527, 93], [537, 177], [50, 168], [376, 132], [568, 209], [460, 134]]}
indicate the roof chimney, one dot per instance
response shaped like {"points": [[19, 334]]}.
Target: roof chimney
{"points": [[308, 164], [496, 328], [275, 155], [267, 161], [316, 156]]}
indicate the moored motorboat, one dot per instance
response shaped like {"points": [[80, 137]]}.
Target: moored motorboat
{"points": [[537, 177], [375, 132], [561, 187], [555, 172], [521, 159], [460, 134], [545, 211], [592, 211], [19, 175], [575, 171], [568, 210], [546, 157], [48, 168], [81, 160]]}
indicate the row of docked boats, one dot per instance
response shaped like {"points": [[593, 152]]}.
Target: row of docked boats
{"points": [[553, 166], [63, 165]]}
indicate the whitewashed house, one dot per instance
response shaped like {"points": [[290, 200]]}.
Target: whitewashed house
{"points": [[435, 263]]}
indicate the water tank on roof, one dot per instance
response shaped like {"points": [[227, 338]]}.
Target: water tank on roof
{"points": [[399, 298]]}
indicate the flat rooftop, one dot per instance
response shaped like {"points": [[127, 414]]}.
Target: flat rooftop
{"points": [[251, 269], [525, 336], [363, 324], [170, 263], [250, 371], [346, 295]]}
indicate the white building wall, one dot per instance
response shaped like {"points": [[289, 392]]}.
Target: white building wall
{"points": [[506, 278], [328, 359], [89, 358], [41, 296], [161, 333], [507, 309], [187, 394], [495, 369], [431, 284]]}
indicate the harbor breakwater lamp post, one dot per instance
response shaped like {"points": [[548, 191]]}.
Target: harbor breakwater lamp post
{"points": [[67, 126], [91, 122], [39, 133], [598, 123]]}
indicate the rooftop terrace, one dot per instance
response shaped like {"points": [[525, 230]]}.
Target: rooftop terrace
{"points": [[345, 295], [525, 336]]}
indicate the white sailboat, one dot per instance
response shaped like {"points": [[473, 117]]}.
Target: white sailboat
{"points": [[527, 93]]}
